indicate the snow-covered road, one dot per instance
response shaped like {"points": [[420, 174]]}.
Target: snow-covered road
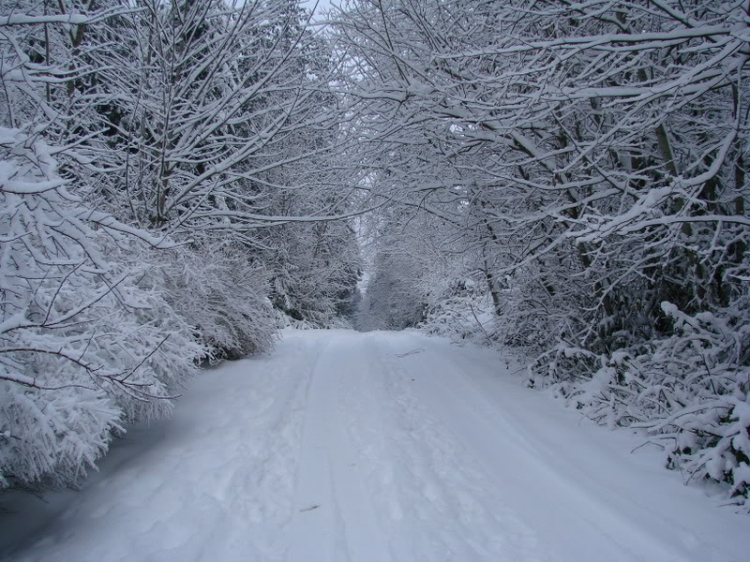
{"points": [[379, 447]]}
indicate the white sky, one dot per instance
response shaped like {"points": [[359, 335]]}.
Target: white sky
{"points": [[322, 5]]}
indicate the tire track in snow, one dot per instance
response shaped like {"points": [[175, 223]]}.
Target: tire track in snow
{"points": [[333, 518], [451, 510]]}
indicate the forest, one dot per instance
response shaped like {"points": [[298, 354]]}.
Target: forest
{"points": [[181, 179]]}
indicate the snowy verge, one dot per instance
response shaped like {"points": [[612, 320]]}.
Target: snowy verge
{"points": [[689, 394]]}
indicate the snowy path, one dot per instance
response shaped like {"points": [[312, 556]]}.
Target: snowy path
{"points": [[375, 447]]}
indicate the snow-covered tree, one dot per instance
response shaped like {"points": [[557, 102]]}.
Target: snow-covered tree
{"points": [[87, 342]]}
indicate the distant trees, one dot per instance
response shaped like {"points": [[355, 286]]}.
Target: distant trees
{"points": [[588, 162], [146, 150]]}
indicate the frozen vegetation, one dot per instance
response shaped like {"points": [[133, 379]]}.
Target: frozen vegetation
{"points": [[563, 183]]}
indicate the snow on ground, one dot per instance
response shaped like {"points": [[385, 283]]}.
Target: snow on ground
{"points": [[341, 446]]}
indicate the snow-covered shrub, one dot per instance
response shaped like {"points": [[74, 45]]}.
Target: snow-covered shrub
{"points": [[394, 298], [531, 317], [462, 310], [690, 390], [83, 346], [50, 435], [218, 289], [562, 367], [314, 271], [283, 320]]}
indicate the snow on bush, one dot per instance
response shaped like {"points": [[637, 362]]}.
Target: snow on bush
{"points": [[224, 295], [690, 391], [462, 310], [84, 345]]}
